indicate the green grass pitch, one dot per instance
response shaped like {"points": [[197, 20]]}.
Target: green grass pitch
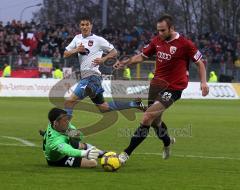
{"points": [[206, 155]]}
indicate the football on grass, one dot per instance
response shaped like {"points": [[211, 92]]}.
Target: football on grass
{"points": [[110, 162]]}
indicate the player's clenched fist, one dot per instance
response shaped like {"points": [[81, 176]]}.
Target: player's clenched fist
{"points": [[81, 48], [205, 89]]}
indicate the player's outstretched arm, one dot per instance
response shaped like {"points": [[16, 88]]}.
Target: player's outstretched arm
{"points": [[132, 60], [67, 149], [112, 54], [202, 76]]}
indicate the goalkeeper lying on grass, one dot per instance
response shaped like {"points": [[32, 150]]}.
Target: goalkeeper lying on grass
{"points": [[62, 146]]}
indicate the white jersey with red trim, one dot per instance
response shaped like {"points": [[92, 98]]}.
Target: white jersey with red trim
{"points": [[94, 46]]}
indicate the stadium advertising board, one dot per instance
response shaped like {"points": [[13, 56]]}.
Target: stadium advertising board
{"points": [[16, 87]]}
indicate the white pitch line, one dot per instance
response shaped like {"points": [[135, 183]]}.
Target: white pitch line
{"points": [[25, 142], [193, 156], [11, 144]]}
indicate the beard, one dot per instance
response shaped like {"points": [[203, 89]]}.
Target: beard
{"points": [[168, 38]]}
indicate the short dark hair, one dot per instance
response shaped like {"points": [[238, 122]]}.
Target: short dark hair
{"points": [[86, 17], [54, 114], [168, 19]]}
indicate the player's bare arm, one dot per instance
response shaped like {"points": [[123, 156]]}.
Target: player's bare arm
{"points": [[132, 60], [79, 49], [112, 54], [202, 76]]}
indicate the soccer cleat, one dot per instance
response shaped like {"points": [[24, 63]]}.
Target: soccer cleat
{"points": [[140, 104], [166, 149], [123, 157]]}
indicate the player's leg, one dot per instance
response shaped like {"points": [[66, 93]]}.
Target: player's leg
{"points": [[122, 105], [76, 162], [85, 163], [98, 99], [70, 103], [166, 98], [160, 129], [154, 111], [104, 106], [78, 94]]}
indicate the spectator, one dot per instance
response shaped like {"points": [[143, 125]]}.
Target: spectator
{"points": [[6, 70], [49, 40], [213, 77], [127, 73], [150, 75], [57, 74]]}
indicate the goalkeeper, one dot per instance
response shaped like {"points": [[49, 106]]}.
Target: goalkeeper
{"points": [[62, 146]]}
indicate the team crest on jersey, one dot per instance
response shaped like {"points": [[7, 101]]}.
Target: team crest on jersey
{"points": [[173, 49], [90, 43]]}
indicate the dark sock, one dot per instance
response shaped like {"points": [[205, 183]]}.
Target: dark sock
{"points": [[162, 133], [139, 135]]}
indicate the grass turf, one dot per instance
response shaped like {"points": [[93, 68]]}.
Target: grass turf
{"points": [[206, 156]]}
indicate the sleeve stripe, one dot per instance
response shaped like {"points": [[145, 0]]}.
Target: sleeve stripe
{"points": [[198, 59]]}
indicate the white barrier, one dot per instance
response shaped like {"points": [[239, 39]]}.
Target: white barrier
{"points": [[216, 91], [19, 87]]}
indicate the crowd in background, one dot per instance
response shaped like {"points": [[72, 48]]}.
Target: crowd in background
{"points": [[28, 40], [50, 40]]}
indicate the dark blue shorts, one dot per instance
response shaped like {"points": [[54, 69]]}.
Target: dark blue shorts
{"points": [[90, 86]]}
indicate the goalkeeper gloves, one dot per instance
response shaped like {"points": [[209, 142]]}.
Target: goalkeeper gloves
{"points": [[91, 153]]}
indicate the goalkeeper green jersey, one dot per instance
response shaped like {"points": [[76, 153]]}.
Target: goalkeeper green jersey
{"points": [[56, 145]]}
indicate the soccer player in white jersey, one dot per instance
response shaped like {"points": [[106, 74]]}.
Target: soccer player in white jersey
{"points": [[90, 48]]}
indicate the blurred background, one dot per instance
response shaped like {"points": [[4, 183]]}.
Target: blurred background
{"points": [[33, 38]]}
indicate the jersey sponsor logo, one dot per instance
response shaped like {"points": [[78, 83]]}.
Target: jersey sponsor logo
{"points": [[162, 55], [197, 55], [221, 91], [173, 49], [90, 43]]}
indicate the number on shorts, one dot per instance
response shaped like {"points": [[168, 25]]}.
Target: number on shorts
{"points": [[69, 161]]}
